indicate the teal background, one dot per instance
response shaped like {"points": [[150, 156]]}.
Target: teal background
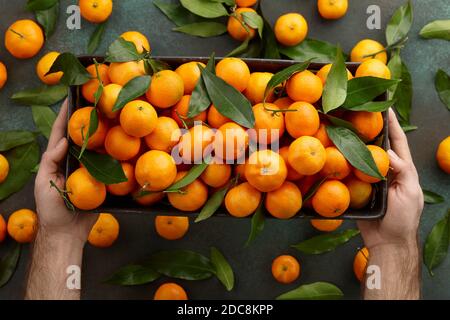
{"points": [[252, 265]]}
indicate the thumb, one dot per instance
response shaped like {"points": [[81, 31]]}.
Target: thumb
{"points": [[400, 167]]}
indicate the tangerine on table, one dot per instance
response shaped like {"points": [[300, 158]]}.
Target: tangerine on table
{"points": [[291, 29], [2, 229], [78, 128], [285, 269], [124, 188], [120, 145], [230, 142], [322, 135], [89, 89], [360, 263], [235, 26], [96, 11], [307, 155], [180, 113], [292, 174], [283, 103], [24, 39], [336, 166], [302, 120], [331, 199], [190, 73], [216, 174], [305, 86], [122, 72], [269, 125], [191, 198], [257, 86], [148, 199], [138, 118], [4, 168], [443, 155], [242, 200], [22, 225], [284, 202], [196, 143], [165, 136], [170, 291], [140, 41], [246, 3], [360, 192], [235, 72], [215, 118], [265, 170], [332, 9], [363, 49], [325, 70], [170, 227], [84, 191], [43, 66], [3, 74], [105, 231], [155, 170], [108, 100], [166, 89], [382, 161], [373, 68], [327, 225], [368, 124]]}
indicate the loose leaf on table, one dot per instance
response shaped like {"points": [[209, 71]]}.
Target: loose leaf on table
{"points": [[8, 263], [101, 166], [400, 24], [312, 191], [133, 89], [408, 128], [258, 222], [122, 50], [284, 75], [177, 13], [43, 96], [395, 66], [93, 125], [190, 177], [365, 89], [321, 51], [437, 243], [403, 95], [373, 106], [270, 44], [133, 275], [239, 50], [181, 264], [200, 100], [74, 72], [439, 29], [96, 38], [12, 139], [442, 84], [431, 197], [313, 291], [213, 204], [228, 101], [335, 90], [224, 272], [35, 5], [205, 8], [203, 29], [43, 117], [354, 150], [21, 161], [326, 242], [48, 19], [254, 21]]}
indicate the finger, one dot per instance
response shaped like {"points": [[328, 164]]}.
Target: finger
{"points": [[399, 142], [52, 158], [401, 168], [59, 127]]}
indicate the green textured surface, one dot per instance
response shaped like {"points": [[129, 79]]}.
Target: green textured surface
{"points": [[252, 265]]}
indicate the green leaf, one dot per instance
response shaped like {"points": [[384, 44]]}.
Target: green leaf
{"points": [[312, 191], [320, 51], [227, 100], [224, 272], [43, 96], [213, 204], [74, 72], [335, 90], [239, 50], [373, 106], [101, 166], [177, 13], [284, 75], [313, 291], [354, 150], [203, 29], [254, 21], [133, 275], [442, 84], [258, 222], [200, 100], [43, 117], [270, 44], [35, 5], [365, 89], [190, 177], [205, 8], [133, 89], [338, 122], [181, 264], [21, 161], [437, 243], [12, 139], [431, 197], [122, 50], [326, 242], [93, 125], [439, 29], [403, 95], [48, 19], [409, 128], [9, 263], [400, 24], [96, 38], [395, 66]]}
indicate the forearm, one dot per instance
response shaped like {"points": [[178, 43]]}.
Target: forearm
{"points": [[399, 267], [51, 258]]}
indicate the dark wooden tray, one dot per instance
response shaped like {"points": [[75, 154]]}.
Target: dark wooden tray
{"points": [[125, 205]]}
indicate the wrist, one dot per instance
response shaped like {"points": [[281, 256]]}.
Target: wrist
{"points": [[60, 239], [401, 249]]}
